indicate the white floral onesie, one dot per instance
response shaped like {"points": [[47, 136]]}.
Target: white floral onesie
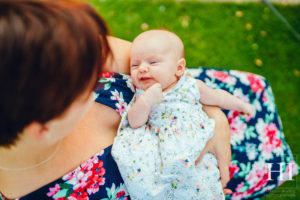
{"points": [[157, 160]]}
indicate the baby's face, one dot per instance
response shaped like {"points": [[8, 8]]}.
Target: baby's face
{"points": [[152, 61]]}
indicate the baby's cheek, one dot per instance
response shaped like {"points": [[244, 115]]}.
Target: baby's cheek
{"points": [[134, 80]]}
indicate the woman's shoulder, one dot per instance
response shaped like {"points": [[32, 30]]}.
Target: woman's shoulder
{"points": [[114, 90], [83, 164]]}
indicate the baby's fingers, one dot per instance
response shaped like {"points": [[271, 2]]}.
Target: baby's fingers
{"points": [[249, 110], [224, 171], [204, 151], [227, 191]]}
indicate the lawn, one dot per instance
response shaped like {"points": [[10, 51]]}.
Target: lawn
{"points": [[247, 37]]}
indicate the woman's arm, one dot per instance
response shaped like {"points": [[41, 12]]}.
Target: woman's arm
{"points": [[118, 61], [219, 144]]}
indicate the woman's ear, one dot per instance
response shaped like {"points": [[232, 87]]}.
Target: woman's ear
{"points": [[38, 131], [180, 67]]}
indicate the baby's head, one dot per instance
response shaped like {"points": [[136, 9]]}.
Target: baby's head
{"points": [[157, 56]]}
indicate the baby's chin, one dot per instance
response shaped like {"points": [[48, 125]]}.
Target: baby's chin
{"points": [[145, 86]]}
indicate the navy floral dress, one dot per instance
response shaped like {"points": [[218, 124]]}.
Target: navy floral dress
{"points": [[257, 144]]}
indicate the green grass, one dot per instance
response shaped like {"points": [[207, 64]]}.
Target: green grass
{"points": [[214, 36]]}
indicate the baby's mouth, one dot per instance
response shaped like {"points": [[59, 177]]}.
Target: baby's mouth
{"points": [[145, 78]]}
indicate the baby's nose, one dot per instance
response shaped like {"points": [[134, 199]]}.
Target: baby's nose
{"points": [[143, 67]]}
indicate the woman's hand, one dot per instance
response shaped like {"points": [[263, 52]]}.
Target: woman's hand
{"points": [[219, 144]]}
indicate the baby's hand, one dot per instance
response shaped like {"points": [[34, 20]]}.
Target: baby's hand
{"points": [[153, 94], [248, 109]]}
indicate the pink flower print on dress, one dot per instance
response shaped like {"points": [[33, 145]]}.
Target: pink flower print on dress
{"points": [[79, 194], [54, 190], [233, 169], [222, 76], [115, 95], [121, 195], [256, 84], [240, 194], [269, 135], [258, 177], [106, 75], [121, 106], [237, 127], [117, 193], [90, 163], [271, 132], [265, 97], [83, 181]]}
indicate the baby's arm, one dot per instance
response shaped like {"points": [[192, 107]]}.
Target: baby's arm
{"points": [[139, 111], [223, 99]]}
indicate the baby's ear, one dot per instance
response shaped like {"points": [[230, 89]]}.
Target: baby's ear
{"points": [[180, 67]]}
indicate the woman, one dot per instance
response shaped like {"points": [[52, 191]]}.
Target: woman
{"points": [[55, 140]]}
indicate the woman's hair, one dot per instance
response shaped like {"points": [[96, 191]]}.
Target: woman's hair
{"points": [[50, 54]]}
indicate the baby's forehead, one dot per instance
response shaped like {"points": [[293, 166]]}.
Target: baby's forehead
{"points": [[152, 49], [161, 36], [164, 41]]}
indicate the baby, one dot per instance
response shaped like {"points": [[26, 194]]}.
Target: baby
{"points": [[164, 128]]}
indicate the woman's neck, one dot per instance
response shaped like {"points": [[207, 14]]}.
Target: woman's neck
{"points": [[27, 154]]}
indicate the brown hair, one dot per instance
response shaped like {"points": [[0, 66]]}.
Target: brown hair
{"points": [[50, 53]]}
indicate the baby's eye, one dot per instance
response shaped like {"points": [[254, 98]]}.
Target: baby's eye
{"points": [[153, 62], [134, 65]]}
